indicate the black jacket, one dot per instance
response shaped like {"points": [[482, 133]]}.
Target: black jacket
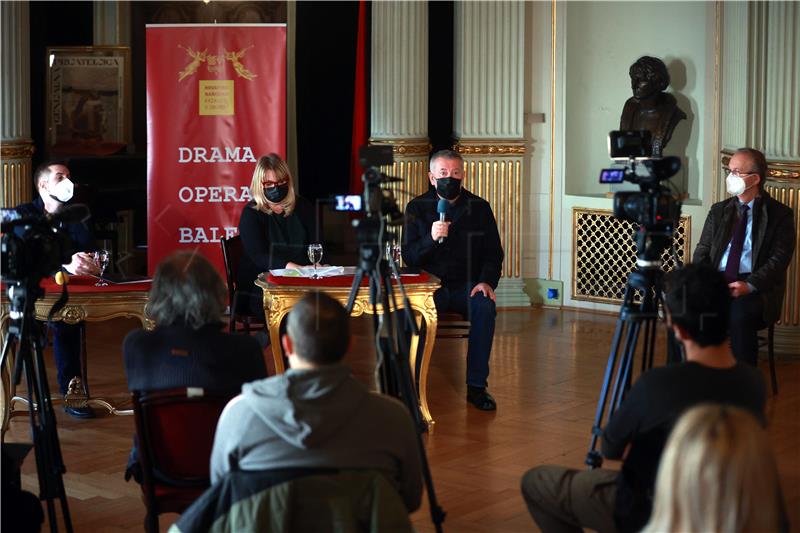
{"points": [[79, 232], [471, 253], [178, 356], [773, 244], [271, 241]]}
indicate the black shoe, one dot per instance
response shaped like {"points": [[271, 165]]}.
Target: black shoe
{"points": [[80, 412], [481, 399]]}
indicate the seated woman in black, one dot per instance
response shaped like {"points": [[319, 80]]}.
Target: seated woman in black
{"points": [[276, 228], [188, 347]]}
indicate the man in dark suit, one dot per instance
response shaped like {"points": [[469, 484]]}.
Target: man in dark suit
{"points": [[52, 182], [464, 251], [750, 237]]}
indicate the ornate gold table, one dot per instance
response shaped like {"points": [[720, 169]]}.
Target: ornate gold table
{"points": [[86, 303], [279, 299]]}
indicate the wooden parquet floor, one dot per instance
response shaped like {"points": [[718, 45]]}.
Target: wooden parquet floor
{"points": [[547, 368]]}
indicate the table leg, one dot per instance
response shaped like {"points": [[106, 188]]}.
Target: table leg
{"points": [[274, 325], [431, 321]]}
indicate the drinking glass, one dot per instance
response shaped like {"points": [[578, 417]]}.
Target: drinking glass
{"points": [[101, 259], [315, 256], [393, 251]]}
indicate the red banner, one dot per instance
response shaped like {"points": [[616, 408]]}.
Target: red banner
{"points": [[216, 102]]}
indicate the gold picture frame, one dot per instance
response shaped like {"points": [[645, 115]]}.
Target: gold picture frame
{"points": [[88, 99]]}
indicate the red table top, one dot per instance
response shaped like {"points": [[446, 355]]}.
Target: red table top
{"points": [[86, 284], [338, 281]]}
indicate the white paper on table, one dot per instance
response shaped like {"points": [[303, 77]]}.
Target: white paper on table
{"points": [[307, 272]]}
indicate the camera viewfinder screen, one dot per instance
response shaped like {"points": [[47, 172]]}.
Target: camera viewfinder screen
{"points": [[348, 202], [612, 175]]}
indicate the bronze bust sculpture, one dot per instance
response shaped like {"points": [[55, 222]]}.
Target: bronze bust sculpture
{"points": [[651, 108]]}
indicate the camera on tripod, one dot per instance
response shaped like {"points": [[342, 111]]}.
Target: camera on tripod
{"points": [[34, 247], [654, 206]]}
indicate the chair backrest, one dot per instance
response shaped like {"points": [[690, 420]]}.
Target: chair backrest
{"points": [[231, 256], [176, 434], [299, 500]]}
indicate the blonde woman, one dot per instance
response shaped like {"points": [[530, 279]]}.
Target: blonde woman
{"points": [[276, 227], [717, 474]]}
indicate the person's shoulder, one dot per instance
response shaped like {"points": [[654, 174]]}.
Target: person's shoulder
{"points": [[476, 201], [423, 201], [777, 206]]}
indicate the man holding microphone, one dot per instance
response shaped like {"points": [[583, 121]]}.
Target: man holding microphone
{"points": [[452, 234]]}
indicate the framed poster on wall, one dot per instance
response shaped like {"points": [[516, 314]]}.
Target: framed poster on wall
{"points": [[88, 99]]}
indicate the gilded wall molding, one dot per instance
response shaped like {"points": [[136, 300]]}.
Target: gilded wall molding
{"points": [[405, 147], [17, 149], [484, 148]]}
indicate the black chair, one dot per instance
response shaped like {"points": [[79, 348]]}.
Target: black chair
{"points": [[452, 326], [769, 342], [232, 256]]}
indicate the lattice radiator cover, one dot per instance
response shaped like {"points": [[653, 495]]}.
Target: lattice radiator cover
{"points": [[604, 253]]}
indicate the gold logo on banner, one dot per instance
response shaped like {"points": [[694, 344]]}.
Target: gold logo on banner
{"points": [[214, 63]]}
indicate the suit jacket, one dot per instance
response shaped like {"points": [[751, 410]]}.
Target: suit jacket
{"points": [[178, 356], [773, 241]]}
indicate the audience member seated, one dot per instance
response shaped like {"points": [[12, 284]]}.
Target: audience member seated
{"points": [[697, 303], [751, 238], [188, 347], [717, 474], [316, 415]]}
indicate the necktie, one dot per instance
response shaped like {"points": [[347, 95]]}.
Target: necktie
{"points": [[737, 243]]}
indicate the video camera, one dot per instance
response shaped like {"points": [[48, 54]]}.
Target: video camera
{"points": [[653, 206], [35, 247]]}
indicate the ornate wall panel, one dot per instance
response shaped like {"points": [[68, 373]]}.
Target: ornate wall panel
{"points": [[604, 253], [498, 181], [16, 147]]}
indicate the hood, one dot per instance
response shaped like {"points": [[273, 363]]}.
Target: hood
{"points": [[306, 407]]}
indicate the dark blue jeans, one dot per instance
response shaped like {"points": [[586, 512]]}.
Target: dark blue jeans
{"points": [[746, 319], [67, 350], [481, 312]]}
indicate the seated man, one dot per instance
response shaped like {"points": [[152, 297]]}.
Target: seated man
{"points": [[188, 347], [697, 302], [464, 252], [316, 415], [52, 182], [750, 237]]}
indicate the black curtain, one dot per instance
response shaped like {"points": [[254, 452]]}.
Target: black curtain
{"points": [[440, 74], [324, 73]]}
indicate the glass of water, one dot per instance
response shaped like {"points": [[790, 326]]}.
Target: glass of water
{"points": [[101, 259], [315, 256]]}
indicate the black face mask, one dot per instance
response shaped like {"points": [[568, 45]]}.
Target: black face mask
{"points": [[448, 188], [277, 193]]}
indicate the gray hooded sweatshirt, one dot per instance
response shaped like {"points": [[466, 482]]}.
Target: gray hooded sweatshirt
{"points": [[322, 418]]}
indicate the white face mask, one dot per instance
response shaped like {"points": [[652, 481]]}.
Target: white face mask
{"points": [[63, 190], [735, 184]]}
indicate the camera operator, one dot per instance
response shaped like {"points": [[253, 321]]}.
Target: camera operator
{"points": [[750, 238], [465, 252], [52, 182], [697, 304]]}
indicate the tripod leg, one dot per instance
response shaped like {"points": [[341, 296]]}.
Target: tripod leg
{"points": [[622, 380], [49, 461], [593, 458]]}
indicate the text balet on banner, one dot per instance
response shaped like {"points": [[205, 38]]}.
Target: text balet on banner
{"points": [[209, 90]]}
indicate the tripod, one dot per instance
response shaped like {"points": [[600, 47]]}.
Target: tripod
{"points": [[395, 372], [25, 333], [647, 279]]}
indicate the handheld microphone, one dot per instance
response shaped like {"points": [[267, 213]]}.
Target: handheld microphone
{"points": [[441, 208]]}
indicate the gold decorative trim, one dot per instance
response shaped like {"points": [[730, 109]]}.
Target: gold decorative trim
{"points": [[604, 253], [489, 149], [17, 150], [779, 170], [409, 147]]}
